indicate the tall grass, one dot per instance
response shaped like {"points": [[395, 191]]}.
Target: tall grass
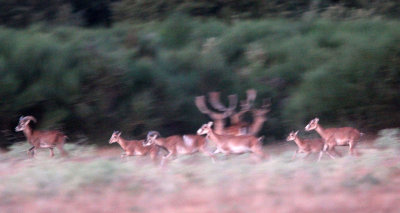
{"points": [[85, 169]]}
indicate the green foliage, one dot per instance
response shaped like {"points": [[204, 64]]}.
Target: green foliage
{"points": [[136, 10], [145, 77], [23, 13], [357, 84]]}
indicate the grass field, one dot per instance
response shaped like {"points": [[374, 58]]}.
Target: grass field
{"points": [[94, 179]]}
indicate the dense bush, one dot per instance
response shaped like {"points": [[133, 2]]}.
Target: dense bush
{"points": [[25, 12], [140, 77], [135, 10], [22, 13]]}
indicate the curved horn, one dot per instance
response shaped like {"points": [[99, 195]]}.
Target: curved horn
{"points": [[233, 100], [251, 96], [216, 102], [200, 102], [201, 105], [30, 117], [152, 133], [246, 105]]}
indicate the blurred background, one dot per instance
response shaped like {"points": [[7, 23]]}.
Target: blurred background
{"points": [[89, 67]]}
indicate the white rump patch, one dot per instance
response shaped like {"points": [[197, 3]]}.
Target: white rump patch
{"points": [[188, 141], [239, 149], [342, 142], [181, 150], [45, 145], [138, 152], [219, 150]]}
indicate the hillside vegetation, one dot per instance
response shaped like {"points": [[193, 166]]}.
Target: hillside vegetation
{"points": [[140, 77]]}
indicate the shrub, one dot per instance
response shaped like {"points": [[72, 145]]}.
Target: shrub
{"points": [[142, 77]]}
